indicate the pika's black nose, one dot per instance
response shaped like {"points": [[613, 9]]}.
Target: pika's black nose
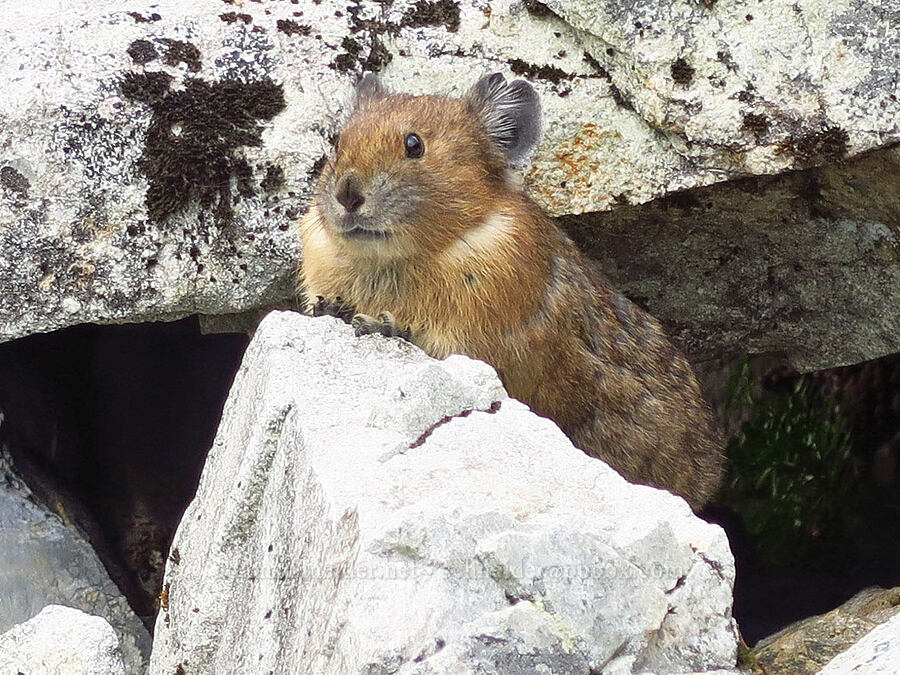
{"points": [[349, 193]]}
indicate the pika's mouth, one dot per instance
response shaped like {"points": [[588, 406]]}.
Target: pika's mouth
{"points": [[361, 228], [364, 233]]}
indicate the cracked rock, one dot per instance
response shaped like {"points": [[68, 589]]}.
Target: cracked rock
{"points": [[327, 537]]}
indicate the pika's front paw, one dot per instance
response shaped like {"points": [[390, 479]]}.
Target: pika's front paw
{"points": [[384, 324], [337, 308]]}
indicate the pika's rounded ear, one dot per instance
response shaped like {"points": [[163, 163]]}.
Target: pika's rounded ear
{"points": [[369, 88], [511, 113]]}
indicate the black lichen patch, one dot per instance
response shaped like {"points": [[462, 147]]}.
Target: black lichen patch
{"points": [[829, 144], [142, 52], [190, 150], [682, 71], [181, 52], [437, 13], [316, 170], [233, 17], [356, 57], [348, 61], [755, 124], [366, 51], [533, 71], [145, 87], [140, 18], [15, 181], [274, 179], [289, 27], [539, 9]]}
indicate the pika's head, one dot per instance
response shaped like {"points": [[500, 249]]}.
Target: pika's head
{"points": [[413, 173]]}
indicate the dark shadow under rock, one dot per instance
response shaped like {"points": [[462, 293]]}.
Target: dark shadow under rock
{"points": [[110, 426]]}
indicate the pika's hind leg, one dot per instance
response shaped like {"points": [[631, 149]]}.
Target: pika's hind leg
{"points": [[385, 324]]}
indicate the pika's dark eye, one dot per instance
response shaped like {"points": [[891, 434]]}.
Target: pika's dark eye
{"points": [[415, 148]]}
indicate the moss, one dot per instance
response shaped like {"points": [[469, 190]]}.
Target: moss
{"points": [[142, 52], [181, 52], [190, 150], [533, 71], [433, 13], [682, 72], [289, 27]]}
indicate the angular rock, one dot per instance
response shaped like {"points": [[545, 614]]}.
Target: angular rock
{"points": [[367, 509], [807, 645], [878, 653], [43, 562], [61, 641]]}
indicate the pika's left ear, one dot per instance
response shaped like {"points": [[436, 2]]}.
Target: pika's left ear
{"points": [[511, 113], [369, 88]]}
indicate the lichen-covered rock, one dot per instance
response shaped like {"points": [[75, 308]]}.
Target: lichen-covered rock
{"points": [[367, 509], [878, 653], [43, 562], [61, 641], [807, 645], [153, 156]]}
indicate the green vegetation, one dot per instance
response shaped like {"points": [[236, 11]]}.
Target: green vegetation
{"points": [[793, 476]]}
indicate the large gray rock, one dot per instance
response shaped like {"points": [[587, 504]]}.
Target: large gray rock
{"points": [[730, 89], [43, 562], [61, 641], [154, 155], [878, 653], [365, 508]]}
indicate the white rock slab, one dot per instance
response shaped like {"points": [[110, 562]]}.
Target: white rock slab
{"points": [[878, 653], [367, 509], [61, 641]]}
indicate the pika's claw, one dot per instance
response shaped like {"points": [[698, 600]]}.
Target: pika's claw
{"points": [[385, 325], [338, 308]]}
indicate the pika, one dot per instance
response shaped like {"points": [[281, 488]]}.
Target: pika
{"points": [[417, 218]]}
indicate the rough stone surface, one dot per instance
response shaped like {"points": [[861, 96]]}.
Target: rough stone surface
{"points": [[878, 653], [805, 265], [805, 646], [367, 509], [43, 562], [153, 156], [61, 641], [735, 88]]}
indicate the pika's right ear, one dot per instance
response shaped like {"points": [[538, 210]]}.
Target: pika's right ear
{"points": [[511, 112], [369, 88]]}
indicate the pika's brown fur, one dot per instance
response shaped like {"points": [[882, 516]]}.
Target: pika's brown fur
{"points": [[458, 254]]}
